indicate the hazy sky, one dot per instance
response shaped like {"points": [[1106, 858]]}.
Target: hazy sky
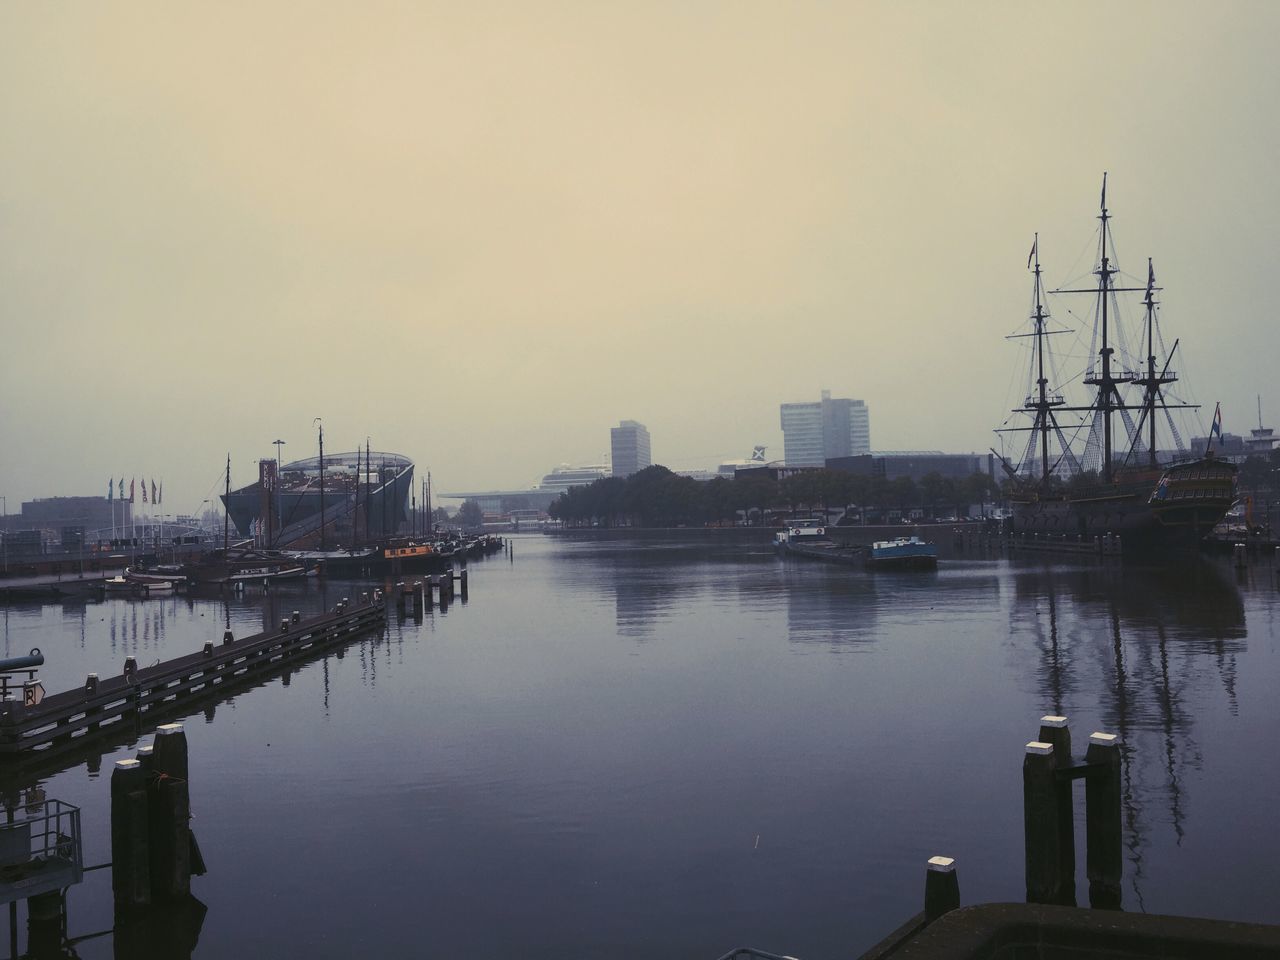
{"points": [[481, 234]]}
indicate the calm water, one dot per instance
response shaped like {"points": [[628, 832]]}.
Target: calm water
{"points": [[671, 748]]}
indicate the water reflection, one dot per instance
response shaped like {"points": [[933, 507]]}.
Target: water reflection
{"points": [[1137, 639]]}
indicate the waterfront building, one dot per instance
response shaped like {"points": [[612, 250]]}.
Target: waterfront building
{"points": [[815, 432], [532, 503], [365, 494], [629, 448], [916, 464]]}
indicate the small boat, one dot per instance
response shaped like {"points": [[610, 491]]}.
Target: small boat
{"points": [[166, 573], [801, 532], [156, 588], [118, 585], [903, 553]]}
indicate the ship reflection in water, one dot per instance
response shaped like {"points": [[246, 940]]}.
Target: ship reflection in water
{"points": [[634, 746], [1150, 645]]}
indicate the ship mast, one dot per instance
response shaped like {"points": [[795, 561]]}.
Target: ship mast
{"points": [[1042, 407], [1106, 385], [1039, 405]]}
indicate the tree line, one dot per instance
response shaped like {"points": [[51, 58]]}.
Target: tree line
{"points": [[656, 497]]}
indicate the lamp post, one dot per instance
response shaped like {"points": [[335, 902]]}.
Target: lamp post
{"points": [[4, 531], [278, 507]]}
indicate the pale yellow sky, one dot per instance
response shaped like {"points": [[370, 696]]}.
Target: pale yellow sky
{"points": [[481, 234]]}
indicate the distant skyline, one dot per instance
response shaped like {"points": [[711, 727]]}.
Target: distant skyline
{"points": [[483, 234]]}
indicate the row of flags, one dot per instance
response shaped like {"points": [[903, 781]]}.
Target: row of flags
{"points": [[157, 493]]}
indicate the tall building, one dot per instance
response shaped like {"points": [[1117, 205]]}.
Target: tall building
{"points": [[629, 446], [813, 433]]}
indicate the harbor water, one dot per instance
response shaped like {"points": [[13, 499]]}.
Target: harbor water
{"points": [[676, 745]]}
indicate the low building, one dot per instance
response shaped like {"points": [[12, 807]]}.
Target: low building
{"points": [[915, 464]]}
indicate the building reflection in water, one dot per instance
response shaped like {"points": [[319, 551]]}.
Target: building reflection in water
{"points": [[1138, 641]]}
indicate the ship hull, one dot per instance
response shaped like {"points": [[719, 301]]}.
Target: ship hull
{"points": [[1174, 509]]}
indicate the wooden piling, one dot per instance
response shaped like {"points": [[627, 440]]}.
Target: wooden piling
{"points": [[169, 815], [130, 853], [941, 887], [170, 753], [1054, 730], [1040, 822], [1102, 812], [462, 584]]}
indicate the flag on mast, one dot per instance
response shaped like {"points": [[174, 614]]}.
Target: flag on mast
{"points": [[144, 489], [1215, 429], [161, 498], [1032, 255], [122, 488], [111, 489], [153, 491], [131, 482]]}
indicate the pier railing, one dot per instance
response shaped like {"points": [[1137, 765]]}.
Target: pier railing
{"points": [[61, 720]]}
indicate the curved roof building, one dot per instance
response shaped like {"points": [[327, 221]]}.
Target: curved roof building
{"points": [[361, 499]]}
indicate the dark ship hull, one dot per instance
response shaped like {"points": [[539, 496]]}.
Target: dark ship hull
{"points": [[1150, 512]]}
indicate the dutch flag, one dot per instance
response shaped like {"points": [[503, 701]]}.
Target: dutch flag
{"points": [[1216, 429]]}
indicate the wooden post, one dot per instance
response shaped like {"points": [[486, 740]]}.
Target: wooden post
{"points": [[941, 887], [1102, 809], [170, 755], [1040, 822], [130, 855], [1054, 730], [463, 584], [170, 815]]}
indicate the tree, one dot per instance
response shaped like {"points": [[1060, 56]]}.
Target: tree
{"points": [[470, 515]]}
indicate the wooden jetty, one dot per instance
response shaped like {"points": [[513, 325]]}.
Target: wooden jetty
{"points": [[63, 722]]}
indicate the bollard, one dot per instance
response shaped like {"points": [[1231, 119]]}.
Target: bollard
{"points": [[463, 584], [208, 648], [45, 915], [146, 756], [91, 685], [170, 751], [1239, 555], [428, 593], [130, 856], [169, 820], [1040, 822], [1102, 808], [227, 637], [400, 598], [297, 617], [1054, 730], [284, 625], [130, 669], [941, 887]]}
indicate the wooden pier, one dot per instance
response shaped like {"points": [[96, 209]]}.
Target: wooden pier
{"points": [[64, 721]]}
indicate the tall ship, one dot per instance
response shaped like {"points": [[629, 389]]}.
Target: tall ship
{"points": [[1096, 468]]}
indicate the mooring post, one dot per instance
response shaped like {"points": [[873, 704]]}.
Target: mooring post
{"points": [[462, 582], [146, 753], [44, 923], [170, 815], [1054, 730], [130, 854], [400, 596], [1102, 821], [941, 887], [417, 595], [428, 596], [169, 751], [1040, 822]]}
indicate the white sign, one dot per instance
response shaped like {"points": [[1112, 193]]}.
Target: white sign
{"points": [[32, 693]]}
